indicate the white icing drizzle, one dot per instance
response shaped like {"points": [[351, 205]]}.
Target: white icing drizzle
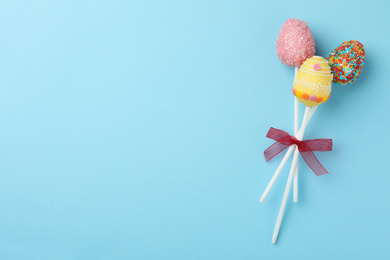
{"points": [[320, 61], [311, 65], [320, 73], [313, 86], [317, 74]]}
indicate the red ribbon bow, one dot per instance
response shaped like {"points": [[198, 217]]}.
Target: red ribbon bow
{"points": [[306, 148]]}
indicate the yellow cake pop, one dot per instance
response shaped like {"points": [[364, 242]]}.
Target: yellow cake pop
{"points": [[313, 83]]}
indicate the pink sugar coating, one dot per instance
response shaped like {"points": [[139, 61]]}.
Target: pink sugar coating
{"points": [[295, 43]]}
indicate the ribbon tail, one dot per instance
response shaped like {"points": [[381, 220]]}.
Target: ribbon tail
{"points": [[312, 161], [274, 150]]}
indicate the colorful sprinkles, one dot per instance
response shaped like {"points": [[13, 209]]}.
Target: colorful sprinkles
{"points": [[346, 62]]}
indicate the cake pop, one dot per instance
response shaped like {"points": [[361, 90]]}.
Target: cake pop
{"points": [[295, 43], [313, 83], [346, 62]]}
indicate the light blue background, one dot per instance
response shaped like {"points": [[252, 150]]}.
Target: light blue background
{"points": [[135, 130]]}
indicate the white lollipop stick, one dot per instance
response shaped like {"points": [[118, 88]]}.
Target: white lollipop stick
{"points": [[302, 131], [305, 121], [291, 174], [313, 109], [276, 174], [296, 122], [285, 196]]}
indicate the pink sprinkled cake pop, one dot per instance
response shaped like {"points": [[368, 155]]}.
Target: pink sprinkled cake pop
{"points": [[295, 43]]}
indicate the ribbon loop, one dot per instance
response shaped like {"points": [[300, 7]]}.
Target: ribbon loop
{"points": [[306, 148]]}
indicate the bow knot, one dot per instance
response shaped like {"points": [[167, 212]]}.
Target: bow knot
{"points": [[297, 142], [306, 148]]}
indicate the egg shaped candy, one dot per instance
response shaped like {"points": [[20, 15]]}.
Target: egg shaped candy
{"points": [[295, 42], [346, 62], [313, 83]]}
